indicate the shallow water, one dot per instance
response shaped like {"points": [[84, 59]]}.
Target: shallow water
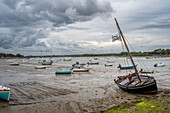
{"points": [[91, 91]]}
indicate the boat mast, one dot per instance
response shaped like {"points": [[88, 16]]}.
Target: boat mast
{"points": [[136, 71]]}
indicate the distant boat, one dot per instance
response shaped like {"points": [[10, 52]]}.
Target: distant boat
{"points": [[40, 67], [110, 61], [64, 72], [78, 65], [159, 65], [4, 93], [47, 62], [14, 64], [95, 58], [146, 71], [134, 83], [67, 59], [108, 65], [91, 62], [80, 70], [126, 67]]}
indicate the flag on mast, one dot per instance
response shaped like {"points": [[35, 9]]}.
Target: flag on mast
{"points": [[116, 37]]}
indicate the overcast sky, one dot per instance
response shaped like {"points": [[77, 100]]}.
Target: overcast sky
{"points": [[60, 27]]}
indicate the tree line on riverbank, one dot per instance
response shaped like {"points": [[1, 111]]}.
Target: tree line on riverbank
{"points": [[156, 52]]}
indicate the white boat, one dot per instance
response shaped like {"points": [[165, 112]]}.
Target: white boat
{"points": [[67, 59], [159, 65], [14, 64], [92, 63], [40, 67], [78, 65], [80, 70], [47, 62], [4, 93], [108, 65], [110, 61], [95, 58]]}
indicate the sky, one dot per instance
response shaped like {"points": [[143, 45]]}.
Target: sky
{"points": [[66, 27]]}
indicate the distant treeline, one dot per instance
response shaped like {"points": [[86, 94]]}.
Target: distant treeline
{"points": [[10, 55], [152, 53]]}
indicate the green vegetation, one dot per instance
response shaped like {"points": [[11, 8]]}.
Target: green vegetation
{"points": [[161, 105], [3, 55], [157, 52]]}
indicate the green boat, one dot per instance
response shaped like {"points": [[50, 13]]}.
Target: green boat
{"points": [[63, 72], [4, 93]]}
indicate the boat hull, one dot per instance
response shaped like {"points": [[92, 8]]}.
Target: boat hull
{"points": [[92, 63], [63, 72], [4, 95], [80, 70], [150, 88]]}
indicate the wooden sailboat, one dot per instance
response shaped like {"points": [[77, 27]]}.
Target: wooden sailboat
{"points": [[135, 83]]}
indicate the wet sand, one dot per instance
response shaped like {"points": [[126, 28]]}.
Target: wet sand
{"points": [[41, 91]]}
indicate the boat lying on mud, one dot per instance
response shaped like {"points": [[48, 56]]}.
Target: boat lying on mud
{"points": [[64, 72], [93, 62], [14, 64], [126, 67], [159, 65], [134, 83], [47, 62], [40, 67], [80, 70], [4, 93], [146, 71]]}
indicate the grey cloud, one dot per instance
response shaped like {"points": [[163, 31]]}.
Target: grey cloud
{"points": [[27, 21], [161, 24]]}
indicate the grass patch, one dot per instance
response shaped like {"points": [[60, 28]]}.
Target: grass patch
{"points": [[161, 105]]}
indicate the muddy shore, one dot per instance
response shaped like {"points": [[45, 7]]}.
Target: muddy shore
{"points": [[41, 91]]}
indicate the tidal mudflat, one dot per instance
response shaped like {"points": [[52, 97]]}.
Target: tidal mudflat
{"points": [[41, 91]]}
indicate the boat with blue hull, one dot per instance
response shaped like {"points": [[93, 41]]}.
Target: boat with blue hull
{"points": [[127, 67], [4, 93]]}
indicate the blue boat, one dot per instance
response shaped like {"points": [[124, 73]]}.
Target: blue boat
{"points": [[4, 93], [127, 67], [47, 62], [63, 72]]}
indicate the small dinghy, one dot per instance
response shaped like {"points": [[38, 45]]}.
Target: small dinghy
{"points": [[146, 71], [92, 62], [47, 62], [40, 67], [159, 65], [110, 61], [64, 72], [78, 65], [80, 70], [14, 64], [4, 93], [127, 67], [108, 65]]}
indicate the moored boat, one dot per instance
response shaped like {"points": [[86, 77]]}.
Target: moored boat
{"points": [[47, 62], [146, 71], [14, 64], [110, 61], [40, 67], [134, 83], [92, 62], [80, 70], [4, 93], [125, 67], [64, 72], [159, 65], [108, 65]]}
